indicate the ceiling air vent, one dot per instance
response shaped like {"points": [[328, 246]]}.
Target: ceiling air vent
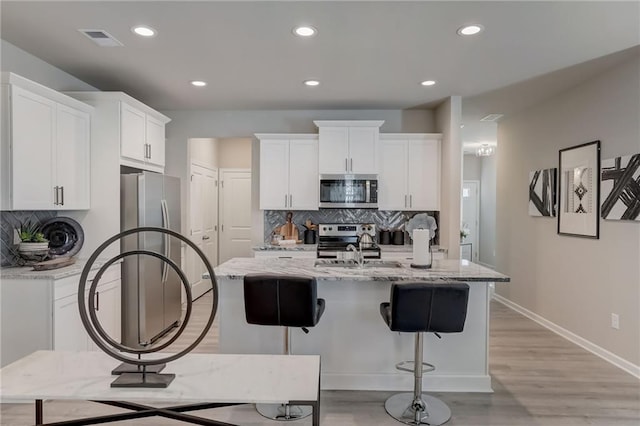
{"points": [[492, 117], [101, 38]]}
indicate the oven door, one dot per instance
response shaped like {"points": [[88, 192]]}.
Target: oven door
{"points": [[349, 191]]}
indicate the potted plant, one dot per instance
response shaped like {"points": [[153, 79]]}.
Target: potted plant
{"points": [[32, 240]]}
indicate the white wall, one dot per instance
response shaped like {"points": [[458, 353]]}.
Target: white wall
{"points": [[573, 282], [488, 211], [18, 61], [235, 153], [244, 124], [204, 152], [471, 167], [448, 120]]}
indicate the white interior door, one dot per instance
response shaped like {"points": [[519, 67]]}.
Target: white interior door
{"points": [[204, 225], [471, 215], [235, 214]]}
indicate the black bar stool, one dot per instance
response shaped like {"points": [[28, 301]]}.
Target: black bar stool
{"points": [[287, 301], [417, 308]]}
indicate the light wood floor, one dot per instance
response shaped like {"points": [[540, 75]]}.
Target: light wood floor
{"points": [[538, 378]]}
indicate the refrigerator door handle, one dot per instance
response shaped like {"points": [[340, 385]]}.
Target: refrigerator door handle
{"points": [[167, 245]]}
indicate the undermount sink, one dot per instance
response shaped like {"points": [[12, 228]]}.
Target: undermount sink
{"points": [[350, 263]]}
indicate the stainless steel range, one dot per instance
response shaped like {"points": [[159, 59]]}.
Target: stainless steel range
{"points": [[333, 239]]}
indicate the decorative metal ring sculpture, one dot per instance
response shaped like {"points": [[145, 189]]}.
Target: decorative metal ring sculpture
{"points": [[92, 324]]}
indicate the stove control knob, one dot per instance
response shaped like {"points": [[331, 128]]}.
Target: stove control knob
{"points": [[330, 229]]}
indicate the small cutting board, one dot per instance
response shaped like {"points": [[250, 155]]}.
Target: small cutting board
{"points": [[59, 262], [289, 231]]}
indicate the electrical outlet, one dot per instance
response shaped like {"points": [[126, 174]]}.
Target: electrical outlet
{"points": [[615, 321]]}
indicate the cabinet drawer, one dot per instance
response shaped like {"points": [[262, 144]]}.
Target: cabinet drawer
{"points": [[69, 286]]}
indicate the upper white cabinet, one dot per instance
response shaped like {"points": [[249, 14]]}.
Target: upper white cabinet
{"points": [[409, 177], [348, 147], [288, 172], [45, 148], [141, 129]]}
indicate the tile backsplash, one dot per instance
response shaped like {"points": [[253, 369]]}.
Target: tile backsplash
{"points": [[10, 220], [383, 219]]}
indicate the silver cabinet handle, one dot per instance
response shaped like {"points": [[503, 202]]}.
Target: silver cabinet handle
{"points": [[222, 227], [405, 200], [346, 164], [215, 227], [285, 200], [205, 237], [55, 195], [62, 196], [410, 200], [351, 165], [290, 200], [149, 150]]}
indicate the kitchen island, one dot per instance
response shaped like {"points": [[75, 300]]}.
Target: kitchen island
{"points": [[358, 351]]}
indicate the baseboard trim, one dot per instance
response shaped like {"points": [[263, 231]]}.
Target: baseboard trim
{"points": [[610, 357]]}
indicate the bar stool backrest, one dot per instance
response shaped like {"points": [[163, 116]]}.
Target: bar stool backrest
{"points": [[429, 307], [283, 300]]}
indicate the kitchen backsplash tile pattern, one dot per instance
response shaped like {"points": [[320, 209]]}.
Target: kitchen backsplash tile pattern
{"points": [[382, 219], [9, 220]]}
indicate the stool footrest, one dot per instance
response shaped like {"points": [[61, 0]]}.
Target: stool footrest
{"points": [[410, 366]]}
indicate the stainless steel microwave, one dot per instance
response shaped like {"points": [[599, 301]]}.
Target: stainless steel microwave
{"points": [[349, 191]]}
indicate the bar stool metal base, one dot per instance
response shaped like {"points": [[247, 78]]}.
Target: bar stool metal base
{"points": [[283, 412], [401, 407]]}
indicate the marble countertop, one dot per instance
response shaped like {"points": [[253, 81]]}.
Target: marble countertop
{"points": [[296, 247], [312, 247], [450, 269], [27, 272]]}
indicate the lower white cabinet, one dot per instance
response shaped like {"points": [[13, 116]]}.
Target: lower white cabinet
{"points": [[42, 314], [406, 255]]}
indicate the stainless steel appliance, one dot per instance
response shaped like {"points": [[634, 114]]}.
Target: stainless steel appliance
{"points": [[349, 191], [151, 290], [333, 240]]}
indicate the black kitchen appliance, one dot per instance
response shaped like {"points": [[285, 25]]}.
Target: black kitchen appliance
{"points": [[333, 240]]}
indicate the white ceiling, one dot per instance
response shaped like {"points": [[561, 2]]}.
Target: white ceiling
{"points": [[367, 55]]}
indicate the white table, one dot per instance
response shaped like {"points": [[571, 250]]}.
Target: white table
{"points": [[202, 380]]}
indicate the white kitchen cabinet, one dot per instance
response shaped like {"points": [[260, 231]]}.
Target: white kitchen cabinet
{"points": [[45, 148], [288, 172], [140, 129], [406, 255], [409, 177], [348, 147], [41, 313]]}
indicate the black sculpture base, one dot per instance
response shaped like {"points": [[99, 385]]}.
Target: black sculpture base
{"points": [[125, 367], [140, 380], [413, 265]]}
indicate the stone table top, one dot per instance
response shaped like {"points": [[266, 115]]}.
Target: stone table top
{"points": [[27, 272], [446, 269]]}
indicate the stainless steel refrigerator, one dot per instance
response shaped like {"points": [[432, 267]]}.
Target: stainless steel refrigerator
{"points": [[151, 290]]}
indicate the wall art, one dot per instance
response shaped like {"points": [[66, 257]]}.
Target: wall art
{"points": [[621, 188], [579, 190], [542, 192]]}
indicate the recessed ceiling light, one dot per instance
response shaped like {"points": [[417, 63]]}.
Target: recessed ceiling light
{"points": [[312, 82], [428, 82], [470, 29], [144, 31], [198, 83], [305, 31]]}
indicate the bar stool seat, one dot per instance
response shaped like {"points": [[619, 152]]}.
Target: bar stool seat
{"points": [[419, 307], [287, 301]]}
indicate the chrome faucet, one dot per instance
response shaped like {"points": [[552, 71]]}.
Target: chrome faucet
{"points": [[359, 257]]}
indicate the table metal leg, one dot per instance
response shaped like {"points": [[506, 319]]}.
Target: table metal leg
{"points": [[38, 411]]}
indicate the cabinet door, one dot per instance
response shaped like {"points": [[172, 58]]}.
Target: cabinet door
{"points": [[108, 308], [333, 150], [68, 332], [132, 133], [274, 174], [156, 141], [363, 150], [32, 144], [303, 175], [424, 175], [392, 179], [72, 172]]}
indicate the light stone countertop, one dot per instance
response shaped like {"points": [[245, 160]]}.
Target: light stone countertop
{"points": [[448, 269], [27, 272], [296, 247], [408, 248]]}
